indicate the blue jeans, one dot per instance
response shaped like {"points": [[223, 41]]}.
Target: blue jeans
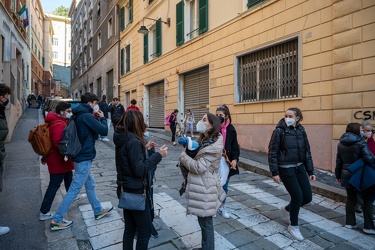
{"points": [[189, 126], [208, 235], [225, 187], [82, 176]]}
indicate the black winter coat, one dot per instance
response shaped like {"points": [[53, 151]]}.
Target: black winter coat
{"points": [[131, 163], [289, 145], [351, 148], [116, 112], [231, 147]]}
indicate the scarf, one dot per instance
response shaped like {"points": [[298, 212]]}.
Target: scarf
{"points": [[223, 129]]}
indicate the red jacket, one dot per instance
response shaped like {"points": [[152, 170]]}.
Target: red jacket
{"points": [[55, 161]]}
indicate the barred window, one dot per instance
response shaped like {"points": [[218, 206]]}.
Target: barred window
{"points": [[269, 74]]}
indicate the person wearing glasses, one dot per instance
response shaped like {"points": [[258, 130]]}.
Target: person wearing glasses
{"points": [[232, 150], [290, 162]]}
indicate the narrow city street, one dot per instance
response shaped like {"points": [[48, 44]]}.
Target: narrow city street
{"points": [[253, 202]]}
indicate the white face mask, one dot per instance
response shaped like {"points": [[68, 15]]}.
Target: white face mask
{"points": [[201, 127], [95, 108], [68, 115], [367, 134], [289, 121]]}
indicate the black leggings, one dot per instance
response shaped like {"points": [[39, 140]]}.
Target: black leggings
{"points": [[297, 184], [173, 129]]}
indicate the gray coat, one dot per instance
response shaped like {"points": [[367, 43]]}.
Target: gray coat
{"points": [[203, 191]]}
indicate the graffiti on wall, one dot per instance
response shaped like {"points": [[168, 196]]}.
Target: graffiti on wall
{"points": [[365, 115]]}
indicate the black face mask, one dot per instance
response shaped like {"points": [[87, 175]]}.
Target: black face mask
{"points": [[221, 119], [6, 102]]}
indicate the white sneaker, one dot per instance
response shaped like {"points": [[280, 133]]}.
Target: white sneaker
{"points": [[47, 216], [295, 232], [351, 226], [369, 231], [4, 230], [223, 212], [100, 138], [285, 213], [105, 139]]}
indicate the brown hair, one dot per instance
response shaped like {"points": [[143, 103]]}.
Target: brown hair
{"points": [[132, 121], [214, 131], [224, 108], [297, 112], [354, 128]]}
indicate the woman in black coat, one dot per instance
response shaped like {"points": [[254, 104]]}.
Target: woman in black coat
{"points": [[351, 148], [290, 162], [231, 148], [132, 170]]}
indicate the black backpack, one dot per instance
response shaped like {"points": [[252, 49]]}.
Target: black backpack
{"points": [[70, 145]]}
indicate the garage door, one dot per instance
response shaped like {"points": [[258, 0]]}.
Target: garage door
{"points": [[196, 92], [156, 108]]}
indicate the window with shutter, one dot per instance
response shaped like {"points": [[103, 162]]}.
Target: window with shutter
{"points": [[130, 11], [122, 61], [158, 38], [122, 18], [251, 3], [180, 23], [203, 16], [127, 58], [145, 48]]}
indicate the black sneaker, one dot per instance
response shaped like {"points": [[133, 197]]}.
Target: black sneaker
{"points": [[103, 213]]}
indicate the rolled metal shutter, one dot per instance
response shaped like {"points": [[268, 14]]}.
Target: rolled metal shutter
{"points": [[196, 92], [156, 106]]}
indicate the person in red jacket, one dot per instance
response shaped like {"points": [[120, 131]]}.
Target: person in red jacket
{"points": [[132, 106], [59, 169]]}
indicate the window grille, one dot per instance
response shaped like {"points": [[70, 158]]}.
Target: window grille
{"points": [[270, 73]]}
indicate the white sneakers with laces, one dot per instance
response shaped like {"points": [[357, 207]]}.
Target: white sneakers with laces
{"points": [[4, 230], [369, 231], [105, 139], [47, 216], [223, 212], [295, 232]]}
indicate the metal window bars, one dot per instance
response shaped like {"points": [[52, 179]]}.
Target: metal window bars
{"points": [[270, 73]]}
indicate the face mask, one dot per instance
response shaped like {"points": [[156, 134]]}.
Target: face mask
{"points": [[146, 134], [96, 108], [289, 121], [362, 133], [221, 119], [201, 127], [68, 115], [188, 113], [6, 102], [368, 134]]}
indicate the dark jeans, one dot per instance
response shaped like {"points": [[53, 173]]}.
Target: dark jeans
{"points": [[54, 185], [207, 227], [367, 207], [297, 184], [173, 129], [139, 221]]}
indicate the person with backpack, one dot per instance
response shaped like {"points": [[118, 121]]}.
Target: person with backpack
{"points": [[172, 125], [117, 110], [103, 106], [290, 161], [132, 106], [88, 128], [5, 91], [59, 169]]}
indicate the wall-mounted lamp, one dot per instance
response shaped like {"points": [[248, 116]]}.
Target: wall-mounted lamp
{"points": [[143, 30]]}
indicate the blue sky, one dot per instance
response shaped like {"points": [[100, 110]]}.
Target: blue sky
{"points": [[50, 5]]}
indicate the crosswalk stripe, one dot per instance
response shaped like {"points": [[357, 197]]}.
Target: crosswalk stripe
{"points": [[174, 216], [314, 219]]}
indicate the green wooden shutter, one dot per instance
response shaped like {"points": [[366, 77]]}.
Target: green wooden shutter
{"points": [[158, 38], [203, 16], [122, 61], [130, 11], [180, 23], [145, 48], [122, 18], [251, 3]]}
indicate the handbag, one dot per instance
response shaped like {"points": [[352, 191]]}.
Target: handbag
{"points": [[223, 171], [132, 201]]}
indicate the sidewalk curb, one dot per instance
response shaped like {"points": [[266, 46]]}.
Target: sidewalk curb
{"points": [[320, 188]]}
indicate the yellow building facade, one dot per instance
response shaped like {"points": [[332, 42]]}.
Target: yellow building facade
{"points": [[257, 57]]}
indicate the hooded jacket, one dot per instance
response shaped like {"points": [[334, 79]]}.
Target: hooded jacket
{"points": [[350, 148], [88, 128], [203, 191], [131, 164], [55, 161], [289, 145]]}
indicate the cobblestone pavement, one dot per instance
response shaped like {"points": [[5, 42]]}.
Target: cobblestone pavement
{"points": [[253, 202]]}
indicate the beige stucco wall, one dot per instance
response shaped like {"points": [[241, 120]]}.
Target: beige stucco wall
{"points": [[337, 44]]}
